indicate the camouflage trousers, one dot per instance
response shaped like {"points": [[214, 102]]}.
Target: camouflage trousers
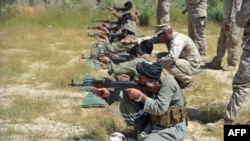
{"points": [[240, 86], [162, 12], [196, 31], [228, 41], [183, 70]]}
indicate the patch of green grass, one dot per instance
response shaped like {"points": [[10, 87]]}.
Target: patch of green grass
{"points": [[13, 134], [211, 112], [26, 109], [99, 127], [243, 116], [11, 65], [208, 88], [33, 136], [8, 134]]}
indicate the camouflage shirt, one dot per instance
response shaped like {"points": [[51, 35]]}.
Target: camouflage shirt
{"points": [[181, 46]]}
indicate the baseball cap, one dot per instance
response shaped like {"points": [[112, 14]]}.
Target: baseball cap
{"points": [[162, 27]]}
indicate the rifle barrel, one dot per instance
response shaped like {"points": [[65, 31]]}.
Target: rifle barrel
{"points": [[108, 83]]}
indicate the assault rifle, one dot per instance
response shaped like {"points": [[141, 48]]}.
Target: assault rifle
{"points": [[108, 83], [103, 28], [107, 21], [119, 9], [122, 57], [111, 36]]}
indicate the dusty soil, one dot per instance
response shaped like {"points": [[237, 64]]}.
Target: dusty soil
{"points": [[54, 130]]}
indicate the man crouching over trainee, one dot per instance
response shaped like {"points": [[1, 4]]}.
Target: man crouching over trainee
{"points": [[167, 109]]}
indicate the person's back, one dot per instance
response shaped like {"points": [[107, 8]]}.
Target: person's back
{"points": [[182, 59], [186, 47]]}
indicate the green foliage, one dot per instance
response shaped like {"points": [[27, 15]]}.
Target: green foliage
{"points": [[64, 13], [107, 3], [6, 12], [214, 10], [146, 11]]}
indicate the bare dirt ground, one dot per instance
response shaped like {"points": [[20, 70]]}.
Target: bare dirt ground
{"points": [[55, 130]]}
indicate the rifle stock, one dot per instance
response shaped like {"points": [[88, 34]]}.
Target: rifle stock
{"points": [[108, 83]]}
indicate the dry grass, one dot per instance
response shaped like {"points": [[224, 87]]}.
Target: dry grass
{"points": [[46, 56]]}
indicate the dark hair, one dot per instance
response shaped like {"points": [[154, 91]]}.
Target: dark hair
{"points": [[137, 49], [128, 4], [148, 46]]}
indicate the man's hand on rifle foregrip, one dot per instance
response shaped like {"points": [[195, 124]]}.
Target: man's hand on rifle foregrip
{"points": [[111, 9], [102, 92], [128, 41], [103, 59]]}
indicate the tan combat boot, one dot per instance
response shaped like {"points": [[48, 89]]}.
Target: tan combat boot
{"points": [[229, 68], [218, 124]]}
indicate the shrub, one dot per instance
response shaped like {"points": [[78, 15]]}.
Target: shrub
{"points": [[214, 11]]}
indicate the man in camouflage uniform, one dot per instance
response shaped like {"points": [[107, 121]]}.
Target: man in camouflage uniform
{"points": [[182, 59], [229, 37], [162, 12], [197, 17], [241, 80]]}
